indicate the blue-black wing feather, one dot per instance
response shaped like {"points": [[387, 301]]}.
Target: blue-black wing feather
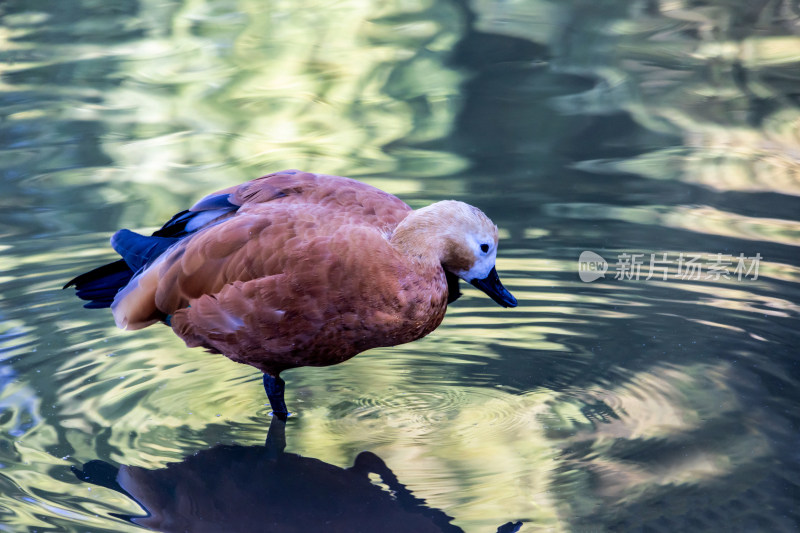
{"points": [[137, 250]]}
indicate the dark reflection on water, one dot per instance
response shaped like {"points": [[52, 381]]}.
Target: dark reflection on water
{"points": [[638, 127], [260, 488]]}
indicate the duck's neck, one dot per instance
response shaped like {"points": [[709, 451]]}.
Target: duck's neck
{"points": [[419, 237]]}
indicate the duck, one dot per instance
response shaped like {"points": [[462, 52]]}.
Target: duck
{"points": [[298, 269]]}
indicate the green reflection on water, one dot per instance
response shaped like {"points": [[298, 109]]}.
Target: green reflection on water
{"points": [[576, 126]]}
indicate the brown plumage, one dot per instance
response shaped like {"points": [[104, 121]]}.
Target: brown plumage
{"points": [[298, 269]]}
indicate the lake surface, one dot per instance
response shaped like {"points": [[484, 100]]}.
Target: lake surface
{"points": [[662, 396]]}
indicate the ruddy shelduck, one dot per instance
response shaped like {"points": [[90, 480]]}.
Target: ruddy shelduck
{"points": [[298, 269]]}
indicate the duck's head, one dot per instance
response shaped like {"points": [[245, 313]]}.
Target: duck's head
{"points": [[461, 238]]}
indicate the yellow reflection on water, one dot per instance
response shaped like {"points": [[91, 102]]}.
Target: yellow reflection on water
{"points": [[704, 219]]}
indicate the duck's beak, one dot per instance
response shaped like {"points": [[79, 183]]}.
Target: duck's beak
{"points": [[491, 285]]}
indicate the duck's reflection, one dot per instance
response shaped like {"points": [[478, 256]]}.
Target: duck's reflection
{"points": [[262, 488]]}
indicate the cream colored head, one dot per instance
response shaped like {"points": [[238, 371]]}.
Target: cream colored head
{"points": [[461, 238]]}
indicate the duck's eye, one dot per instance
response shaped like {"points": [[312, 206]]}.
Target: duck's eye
{"points": [[484, 248]]}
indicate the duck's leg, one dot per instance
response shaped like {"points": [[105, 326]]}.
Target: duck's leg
{"points": [[275, 386]]}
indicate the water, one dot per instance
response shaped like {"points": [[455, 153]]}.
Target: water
{"points": [[612, 127]]}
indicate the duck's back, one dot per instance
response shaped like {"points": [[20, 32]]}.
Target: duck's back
{"points": [[299, 259], [340, 198]]}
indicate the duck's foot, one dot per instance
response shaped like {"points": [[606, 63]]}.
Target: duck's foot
{"points": [[274, 386]]}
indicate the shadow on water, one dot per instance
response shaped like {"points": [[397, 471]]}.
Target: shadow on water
{"points": [[257, 488]]}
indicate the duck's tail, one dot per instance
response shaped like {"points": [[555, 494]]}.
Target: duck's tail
{"points": [[99, 286]]}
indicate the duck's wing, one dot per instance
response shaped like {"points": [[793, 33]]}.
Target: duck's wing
{"points": [[100, 286], [275, 221]]}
